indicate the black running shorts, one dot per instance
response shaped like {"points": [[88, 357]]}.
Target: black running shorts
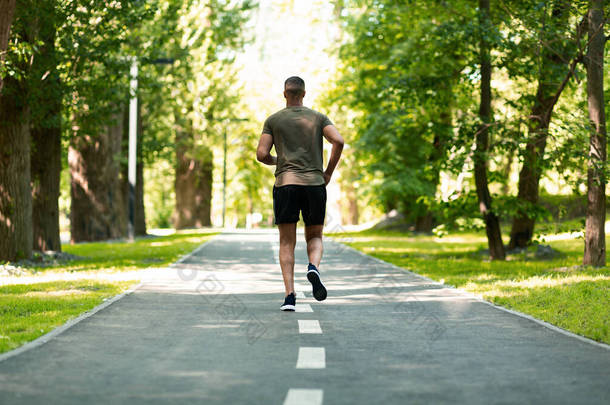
{"points": [[291, 199]]}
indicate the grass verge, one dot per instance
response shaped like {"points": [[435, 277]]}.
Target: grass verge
{"points": [[43, 298], [28, 311], [557, 289]]}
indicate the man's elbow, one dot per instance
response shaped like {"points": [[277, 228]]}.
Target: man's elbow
{"points": [[260, 156], [339, 142]]}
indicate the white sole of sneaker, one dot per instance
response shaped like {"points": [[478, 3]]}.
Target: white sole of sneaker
{"points": [[287, 308], [319, 291]]}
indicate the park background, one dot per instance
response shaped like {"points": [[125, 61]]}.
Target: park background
{"points": [[473, 143]]}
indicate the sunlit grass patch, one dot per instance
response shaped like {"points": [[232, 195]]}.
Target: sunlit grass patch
{"points": [[71, 291], [121, 256], [557, 290], [29, 311]]}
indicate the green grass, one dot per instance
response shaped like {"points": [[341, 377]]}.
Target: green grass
{"points": [[142, 253], [573, 298], [29, 309]]}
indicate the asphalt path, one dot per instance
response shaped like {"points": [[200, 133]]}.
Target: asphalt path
{"points": [[208, 330]]}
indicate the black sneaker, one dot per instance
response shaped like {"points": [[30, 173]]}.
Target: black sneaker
{"points": [[313, 275], [289, 303]]}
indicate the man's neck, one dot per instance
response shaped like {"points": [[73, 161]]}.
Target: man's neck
{"points": [[294, 103]]}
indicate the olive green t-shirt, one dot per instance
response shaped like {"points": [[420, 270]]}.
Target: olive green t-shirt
{"points": [[297, 137]]}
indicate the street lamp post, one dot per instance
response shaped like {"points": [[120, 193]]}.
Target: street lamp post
{"points": [[224, 164], [133, 139]]}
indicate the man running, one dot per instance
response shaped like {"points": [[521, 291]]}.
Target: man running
{"points": [[300, 184]]}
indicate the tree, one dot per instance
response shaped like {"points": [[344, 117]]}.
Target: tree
{"points": [[404, 92], [492, 224], [203, 97], [595, 238], [46, 106], [7, 10], [193, 182], [94, 46], [554, 57], [15, 190], [98, 206]]}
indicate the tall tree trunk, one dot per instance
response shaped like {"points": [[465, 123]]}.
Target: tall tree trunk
{"points": [[550, 85], [45, 171], [193, 183], [350, 199], [492, 224], [425, 222], [595, 237], [15, 188], [98, 208], [7, 11], [15, 191], [46, 136], [529, 177]]}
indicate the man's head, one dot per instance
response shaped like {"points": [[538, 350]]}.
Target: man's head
{"points": [[294, 89]]}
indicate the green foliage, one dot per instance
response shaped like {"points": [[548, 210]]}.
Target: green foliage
{"points": [[93, 46], [159, 199], [401, 70], [410, 76], [191, 103]]}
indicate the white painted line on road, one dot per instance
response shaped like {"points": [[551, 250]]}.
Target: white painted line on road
{"points": [[304, 308], [311, 357], [300, 396], [301, 294], [309, 326]]}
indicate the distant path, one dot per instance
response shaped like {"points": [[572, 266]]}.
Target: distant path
{"points": [[209, 331]]}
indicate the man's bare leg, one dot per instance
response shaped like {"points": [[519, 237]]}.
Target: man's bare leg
{"points": [[313, 236], [288, 239]]}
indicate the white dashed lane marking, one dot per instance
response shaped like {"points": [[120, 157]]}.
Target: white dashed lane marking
{"points": [[303, 308], [309, 326], [311, 357], [300, 396], [300, 294]]}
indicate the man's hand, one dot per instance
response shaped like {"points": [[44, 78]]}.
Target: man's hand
{"points": [[263, 149], [327, 177]]}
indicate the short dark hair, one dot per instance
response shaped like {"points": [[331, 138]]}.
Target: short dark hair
{"points": [[296, 84]]}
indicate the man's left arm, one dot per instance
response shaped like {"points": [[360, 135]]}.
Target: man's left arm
{"points": [[263, 151], [332, 135]]}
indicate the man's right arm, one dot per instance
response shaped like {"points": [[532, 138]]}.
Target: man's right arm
{"points": [[263, 150], [332, 135]]}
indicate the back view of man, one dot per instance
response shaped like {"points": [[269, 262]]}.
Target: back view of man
{"points": [[300, 183]]}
